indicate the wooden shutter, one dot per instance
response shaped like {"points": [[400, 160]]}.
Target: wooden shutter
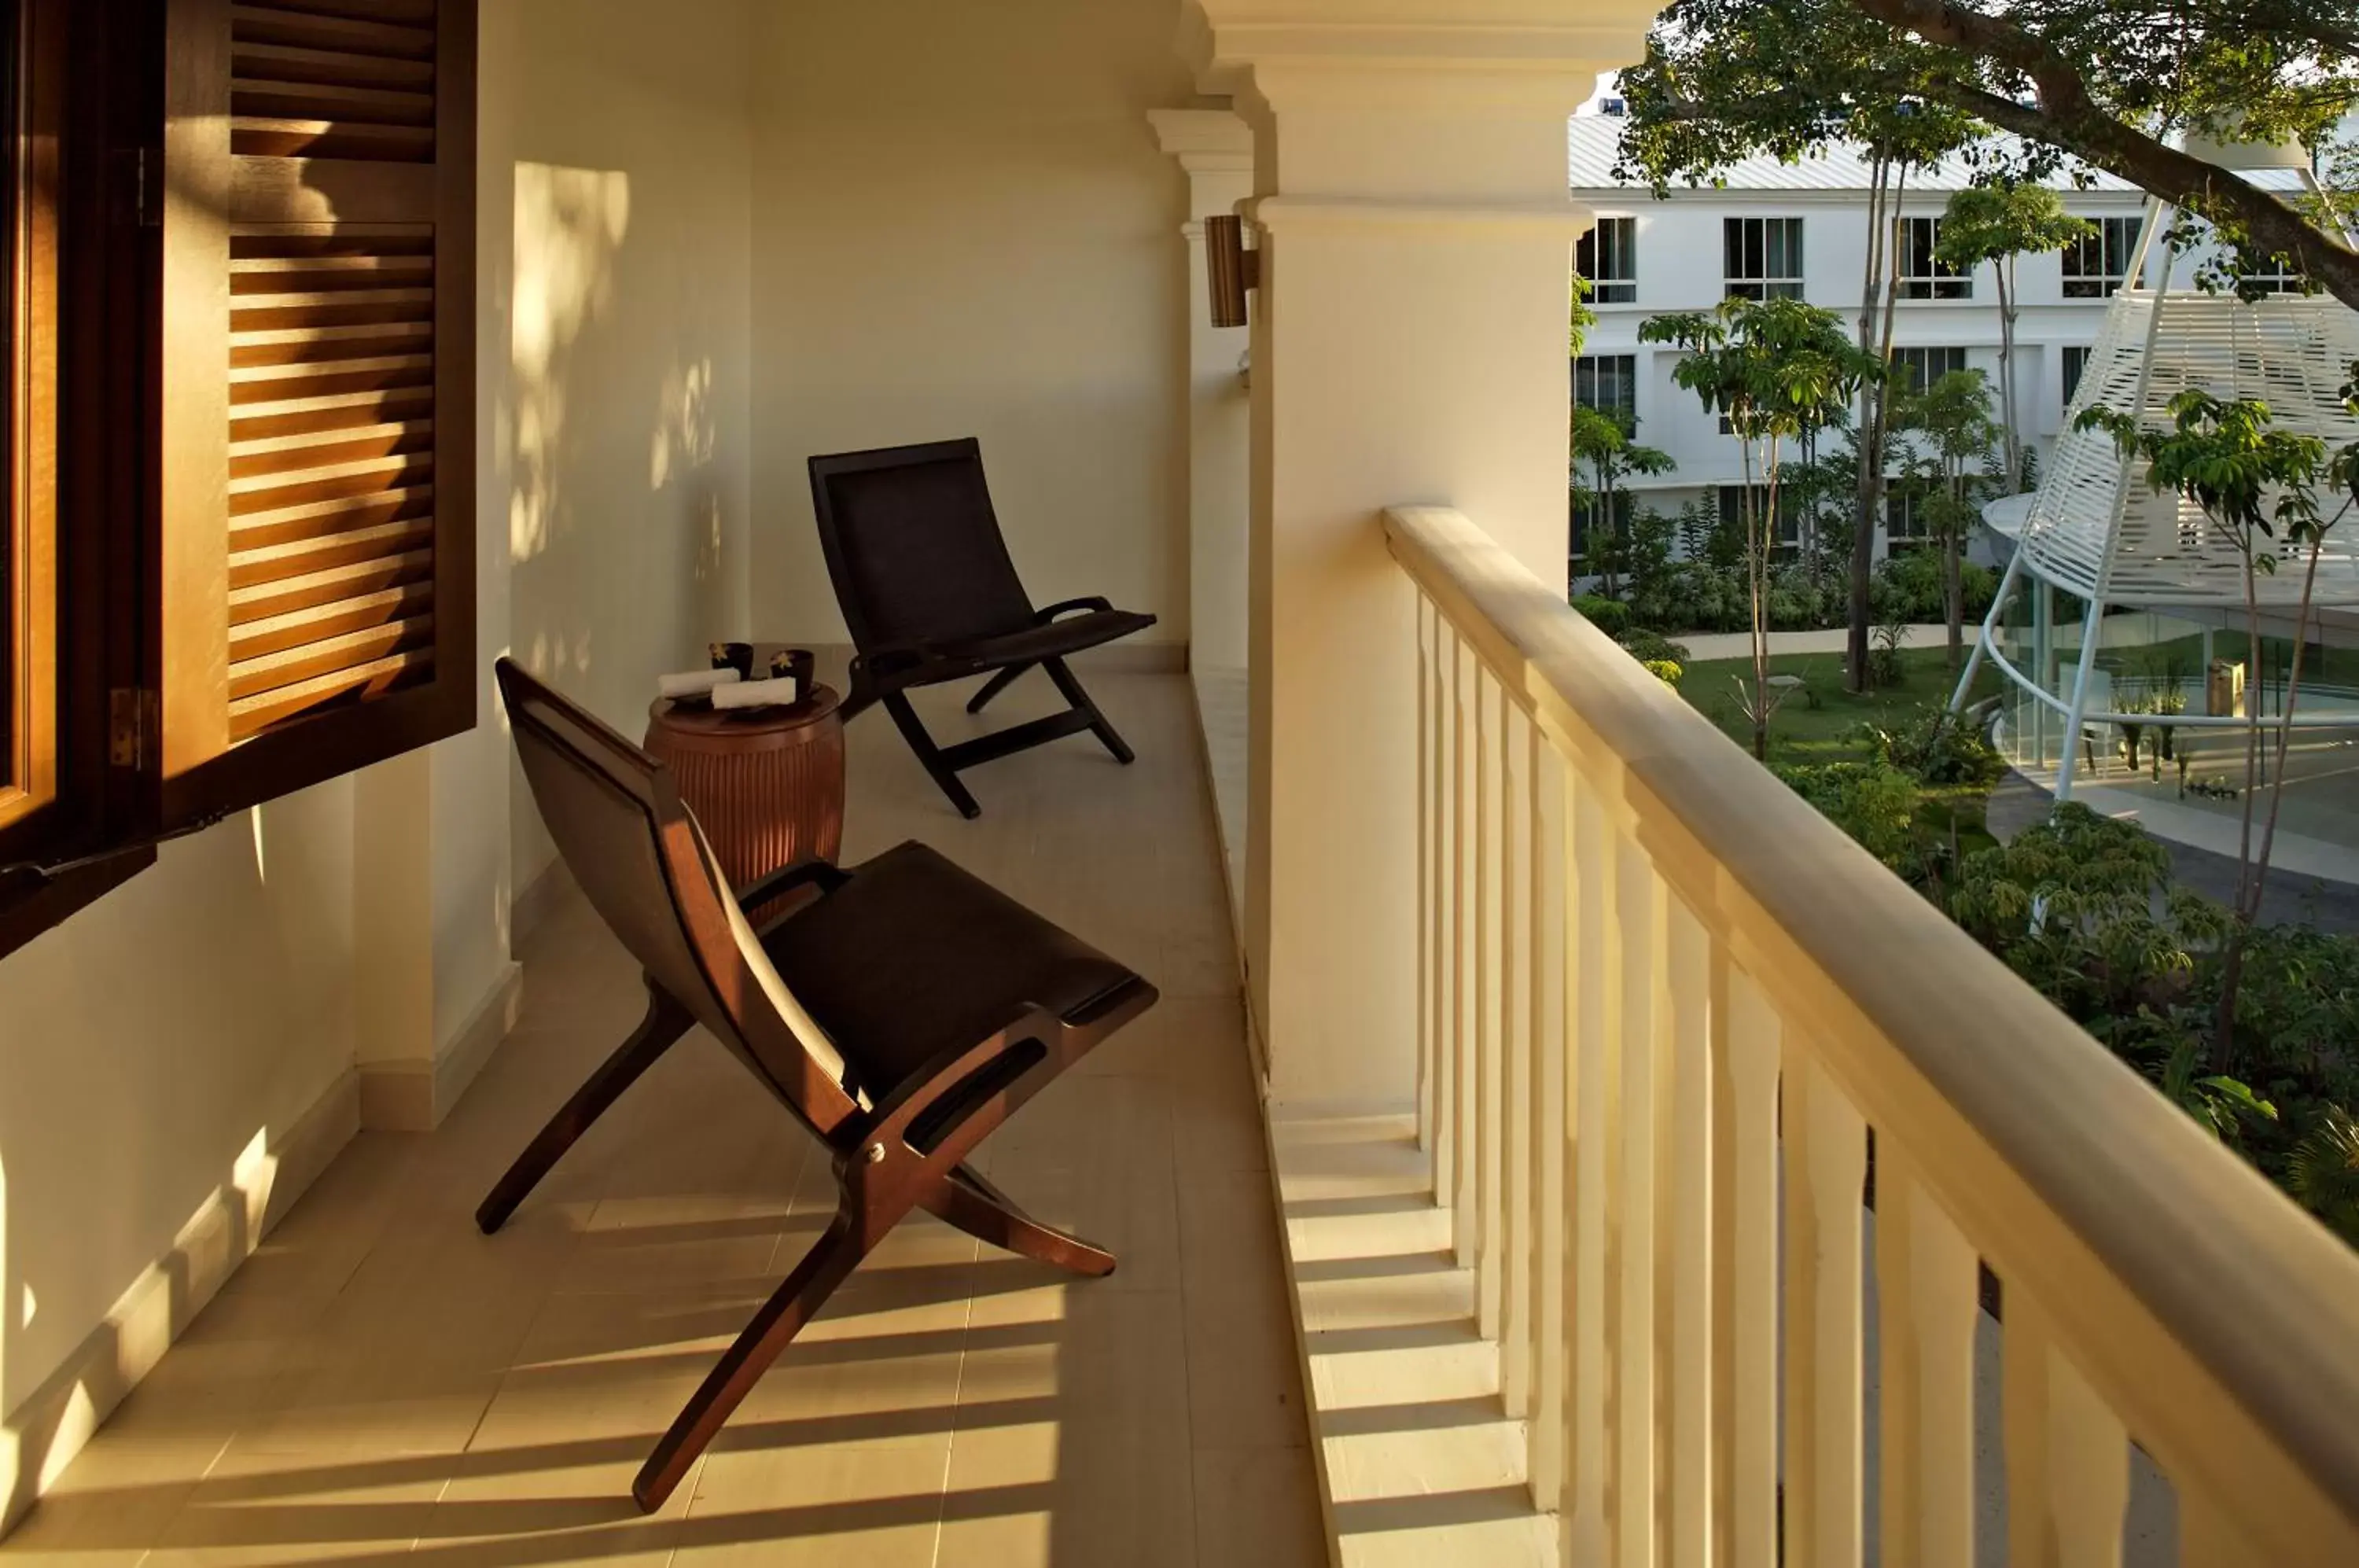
{"points": [[316, 602]]}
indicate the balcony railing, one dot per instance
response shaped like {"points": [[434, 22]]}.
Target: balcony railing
{"points": [[1670, 1018]]}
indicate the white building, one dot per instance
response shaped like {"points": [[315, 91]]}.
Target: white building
{"points": [[1802, 229]]}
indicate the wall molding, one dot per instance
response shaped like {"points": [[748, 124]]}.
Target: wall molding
{"points": [[414, 1097], [44, 1433]]}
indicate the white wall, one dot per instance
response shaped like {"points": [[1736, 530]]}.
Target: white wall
{"points": [[620, 472], [151, 1048], [1680, 267], [964, 227]]}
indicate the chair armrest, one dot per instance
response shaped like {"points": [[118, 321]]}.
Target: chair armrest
{"points": [[823, 875], [1093, 603], [917, 1093], [892, 658]]}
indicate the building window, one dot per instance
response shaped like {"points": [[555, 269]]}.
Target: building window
{"points": [[2098, 263], [1608, 257], [2076, 361], [1915, 369], [1763, 258], [1923, 275], [1789, 514], [1906, 526], [1588, 516], [1609, 384], [2274, 276]]}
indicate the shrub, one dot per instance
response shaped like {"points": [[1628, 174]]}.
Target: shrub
{"points": [[1936, 749], [1873, 802], [1666, 671], [1652, 648], [1611, 616]]}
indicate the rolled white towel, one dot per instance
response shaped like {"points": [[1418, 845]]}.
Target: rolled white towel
{"points": [[694, 684], [780, 694]]}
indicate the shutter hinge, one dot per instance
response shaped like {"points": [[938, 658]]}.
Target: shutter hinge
{"points": [[131, 725]]}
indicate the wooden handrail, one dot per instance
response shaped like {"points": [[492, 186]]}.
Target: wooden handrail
{"points": [[2219, 1320]]}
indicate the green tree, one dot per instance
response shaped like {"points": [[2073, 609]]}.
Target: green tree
{"points": [[1951, 422], [1807, 77], [2249, 479], [1998, 224], [1602, 443], [2109, 82], [1778, 371]]}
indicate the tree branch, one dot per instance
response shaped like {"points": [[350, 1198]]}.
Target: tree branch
{"points": [[2068, 117]]}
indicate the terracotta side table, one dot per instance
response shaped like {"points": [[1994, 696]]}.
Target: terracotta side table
{"points": [[766, 785]]}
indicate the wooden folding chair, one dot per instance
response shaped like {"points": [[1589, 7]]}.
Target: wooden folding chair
{"points": [[901, 1014], [929, 593]]}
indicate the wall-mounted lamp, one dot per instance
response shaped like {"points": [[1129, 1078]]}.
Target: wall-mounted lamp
{"points": [[1231, 269]]}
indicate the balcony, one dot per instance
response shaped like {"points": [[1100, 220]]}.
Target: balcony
{"points": [[1556, 1144], [380, 1381]]}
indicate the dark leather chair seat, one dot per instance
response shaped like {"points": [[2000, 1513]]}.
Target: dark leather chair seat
{"points": [[914, 957]]}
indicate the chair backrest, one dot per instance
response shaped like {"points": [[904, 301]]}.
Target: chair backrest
{"points": [[913, 546], [643, 863]]}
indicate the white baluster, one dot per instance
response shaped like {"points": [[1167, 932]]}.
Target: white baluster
{"points": [[1826, 1163], [1689, 1165], [1446, 1152], [1641, 904], [2068, 1476], [1515, 1024], [1927, 1297], [1427, 1042], [1747, 1223], [1596, 1009], [1552, 1045], [1465, 849], [1491, 731]]}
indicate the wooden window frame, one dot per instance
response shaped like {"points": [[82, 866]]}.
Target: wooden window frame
{"points": [[28, 650], [138, 757]]}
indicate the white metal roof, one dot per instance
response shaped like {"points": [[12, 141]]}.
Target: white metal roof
{"points": [[1596, 142], [2106, 534]]}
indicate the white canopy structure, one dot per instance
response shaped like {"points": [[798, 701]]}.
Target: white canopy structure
{"points": [[2098, 528], [2099, 531]]}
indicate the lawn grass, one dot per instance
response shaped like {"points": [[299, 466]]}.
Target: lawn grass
{"points": [[1820, 723]]}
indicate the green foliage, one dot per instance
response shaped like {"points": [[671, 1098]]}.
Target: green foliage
{"points": [[2082, 907], [2231, 460], [1875, 802], [1936, 748], [1652, 648], [1611, 616], [1908, 588], [2105, 81], [1668, 672], [1775, 368], [2003, 220]]}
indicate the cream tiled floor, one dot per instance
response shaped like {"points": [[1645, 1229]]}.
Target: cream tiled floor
{"points": [[380, 1381]]}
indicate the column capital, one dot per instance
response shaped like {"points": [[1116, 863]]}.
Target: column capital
{"points": [[1477, 48], [1205, 141]]}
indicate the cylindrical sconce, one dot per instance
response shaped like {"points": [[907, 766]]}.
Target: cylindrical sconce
{"points": [[1231, 269]]}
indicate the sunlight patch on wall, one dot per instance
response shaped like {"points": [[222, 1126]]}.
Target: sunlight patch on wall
{"points": [[687, 435], [570, 222]]}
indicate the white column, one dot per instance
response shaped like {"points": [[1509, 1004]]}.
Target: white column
{"points": [[1409, 345], [1216, 150]]}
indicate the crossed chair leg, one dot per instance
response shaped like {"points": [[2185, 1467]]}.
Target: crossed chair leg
{"points": [[943, 764], [881, 1182]]}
